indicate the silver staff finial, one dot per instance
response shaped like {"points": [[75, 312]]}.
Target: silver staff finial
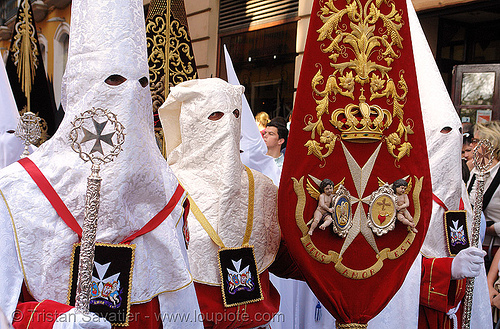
{"points": [[97, 136], [28, 129], [97, 125], [483, 156]]}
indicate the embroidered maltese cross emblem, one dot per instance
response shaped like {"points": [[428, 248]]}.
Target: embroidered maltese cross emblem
{"points": [[239, 279], [360, 177], [457, 234], [105, 289]]}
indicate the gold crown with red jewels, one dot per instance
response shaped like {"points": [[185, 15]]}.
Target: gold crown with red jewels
{"points": [[361, 123]]}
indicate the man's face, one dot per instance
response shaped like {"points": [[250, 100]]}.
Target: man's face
{"points": [[467, 151], [271, 137]]}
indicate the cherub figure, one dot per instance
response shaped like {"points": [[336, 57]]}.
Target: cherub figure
{"points": [[114, 295], [402, 203], [324, 210]]}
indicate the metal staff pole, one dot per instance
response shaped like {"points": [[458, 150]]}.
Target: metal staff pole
{"points": [[483, 157], [94, 119]]}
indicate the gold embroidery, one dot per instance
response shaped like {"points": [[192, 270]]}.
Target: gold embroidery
{"points": [[178, 59], [438, 293], [170, 55], [24, 50], [351, 325], [335, 257], [430, 282], [363, 47]]}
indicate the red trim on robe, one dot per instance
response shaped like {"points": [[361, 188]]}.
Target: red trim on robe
{"points": [[216, 316], [38, 315], [438, 294], [142, 316]]}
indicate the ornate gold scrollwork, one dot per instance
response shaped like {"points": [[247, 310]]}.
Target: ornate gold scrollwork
{"points": [[356, 54], [179, 63], [171, 59], [24, 49]]}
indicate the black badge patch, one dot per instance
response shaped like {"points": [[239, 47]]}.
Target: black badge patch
{"points": [[111, 281], [456, 231], [239, 276]]}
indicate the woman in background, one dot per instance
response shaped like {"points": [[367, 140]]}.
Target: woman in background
{"points": [[262, 119]]}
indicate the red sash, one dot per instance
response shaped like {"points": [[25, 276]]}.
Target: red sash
{"points": [[63, 212], [441, 203]]}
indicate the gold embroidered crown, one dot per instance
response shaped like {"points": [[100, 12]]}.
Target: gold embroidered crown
{"points": [[362, 123], [361, 40]]}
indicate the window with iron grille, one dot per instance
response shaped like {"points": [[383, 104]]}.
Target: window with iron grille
{"points": [[240, 14], [8, 9]]}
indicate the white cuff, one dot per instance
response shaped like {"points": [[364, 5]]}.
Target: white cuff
{"points": [[76, 320]]}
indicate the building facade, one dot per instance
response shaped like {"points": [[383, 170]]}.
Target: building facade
{"points": [[266, 40]]}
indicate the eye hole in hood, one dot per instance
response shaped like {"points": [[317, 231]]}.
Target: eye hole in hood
{"points": [[115, 80], [446, 130], [144, 82], [215, 116], [236, 113]]}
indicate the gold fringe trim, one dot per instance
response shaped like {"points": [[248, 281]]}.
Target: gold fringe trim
{"points": [[351, 325]]}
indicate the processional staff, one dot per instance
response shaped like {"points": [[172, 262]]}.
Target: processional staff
{"points": [[25, 54], [94, 119], [483, 157]]}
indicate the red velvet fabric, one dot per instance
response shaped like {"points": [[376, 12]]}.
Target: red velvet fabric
{"points": [[284, 266], [216, 316], [145, 316], [352, 300], [438, 294], [36, 315], [141, 316]]}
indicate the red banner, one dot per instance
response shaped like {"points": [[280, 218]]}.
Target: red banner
{"points": [[357, 122]]}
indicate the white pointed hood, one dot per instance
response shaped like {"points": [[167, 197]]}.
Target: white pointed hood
{"points": [[443, 145], [207, 157], [11, 147], [107, 38], [252, 144]]}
